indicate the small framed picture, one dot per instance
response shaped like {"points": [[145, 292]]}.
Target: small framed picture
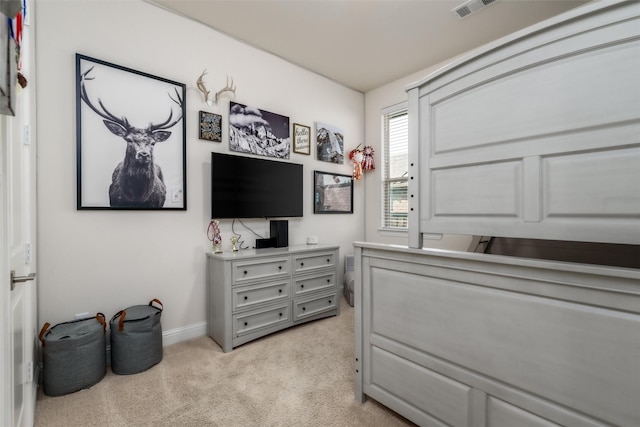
{"points": [[332, 193], [301, 139], [329, 143], [210, 126]]}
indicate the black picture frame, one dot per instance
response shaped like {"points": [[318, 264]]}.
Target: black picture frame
{"points": [[125, 114], [332, 193], [210, 128]]}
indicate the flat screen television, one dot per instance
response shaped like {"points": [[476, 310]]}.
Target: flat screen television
{"points": [[248, 187]]}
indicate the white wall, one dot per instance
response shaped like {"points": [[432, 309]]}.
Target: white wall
{"points": [[103, 261], [385, 96]]}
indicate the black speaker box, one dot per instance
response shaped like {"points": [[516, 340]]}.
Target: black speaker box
{"points": [[280, 232], [265, 243]]}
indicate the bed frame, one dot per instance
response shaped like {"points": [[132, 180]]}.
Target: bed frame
{"points": [[536, 136]]}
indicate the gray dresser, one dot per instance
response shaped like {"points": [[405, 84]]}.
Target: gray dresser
{"points": [[253, 293]]}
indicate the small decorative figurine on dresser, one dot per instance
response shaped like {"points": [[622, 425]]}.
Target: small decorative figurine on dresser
{"points": [[234, 242], [213, 233]]}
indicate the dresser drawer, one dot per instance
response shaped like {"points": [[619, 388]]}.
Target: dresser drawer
{"points": [[309, 307], [252, 321], [260, 270], [246, 297], [310, 262], [308, 284]]}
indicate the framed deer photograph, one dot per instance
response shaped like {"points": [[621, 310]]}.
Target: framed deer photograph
{"points": [[130, 138]]}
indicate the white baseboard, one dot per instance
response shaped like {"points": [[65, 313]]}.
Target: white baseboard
{"points": [[174, 336]]}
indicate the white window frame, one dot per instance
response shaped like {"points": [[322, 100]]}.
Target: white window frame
{"points": [[385, 208]]}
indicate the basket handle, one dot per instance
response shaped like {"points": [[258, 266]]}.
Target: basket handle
{"points": [[121, 321], [157, 301], [122, 314], [100, 318], [44, 329]]}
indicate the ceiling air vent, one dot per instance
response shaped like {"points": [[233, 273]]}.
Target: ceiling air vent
{"points": [[472, 6]]}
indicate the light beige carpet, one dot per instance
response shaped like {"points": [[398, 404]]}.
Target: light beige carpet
{"points": [[303, 376]]}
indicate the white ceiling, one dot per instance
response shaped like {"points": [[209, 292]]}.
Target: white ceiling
{"points": [[364, 44]]}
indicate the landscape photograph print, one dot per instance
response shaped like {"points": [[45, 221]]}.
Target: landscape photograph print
{"points": [[256, 131], [329, 143], [131, 138]]}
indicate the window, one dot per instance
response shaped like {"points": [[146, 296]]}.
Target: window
{"points": [[395, 140]]}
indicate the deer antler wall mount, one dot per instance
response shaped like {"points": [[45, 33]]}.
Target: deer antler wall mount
{"points": [[202, 88], [230, 87]]}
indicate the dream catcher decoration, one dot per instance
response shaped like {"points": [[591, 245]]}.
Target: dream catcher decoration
{"points": [[213, 233], [368, 163], [362, 160]]}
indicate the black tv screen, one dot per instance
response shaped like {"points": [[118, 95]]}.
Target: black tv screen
{"points": [[247, 187]]}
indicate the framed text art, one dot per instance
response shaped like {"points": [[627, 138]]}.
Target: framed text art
{"points": [[301, 139], [332, 193], [131, 138], [210, 127]]}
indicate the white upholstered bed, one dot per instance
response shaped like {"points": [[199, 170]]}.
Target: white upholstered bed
{"points": [[535, 136]]}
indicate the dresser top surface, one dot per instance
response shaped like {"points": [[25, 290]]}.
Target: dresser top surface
{"points": [[253, 253]]}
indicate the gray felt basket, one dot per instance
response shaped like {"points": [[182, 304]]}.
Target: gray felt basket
{"points": [[136, 338], [74, 355]]}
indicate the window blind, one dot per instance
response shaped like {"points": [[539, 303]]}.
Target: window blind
{"points": [[396, 166]]}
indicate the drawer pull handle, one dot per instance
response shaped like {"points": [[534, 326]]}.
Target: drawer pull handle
{"points": [[280, 314], [304, 308], [302, 286], [245, 272], [279, 267], [329, 301], [246, 298], [302, 264], [328, 280], [279, 291], [245, 323], [328, 260]]}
